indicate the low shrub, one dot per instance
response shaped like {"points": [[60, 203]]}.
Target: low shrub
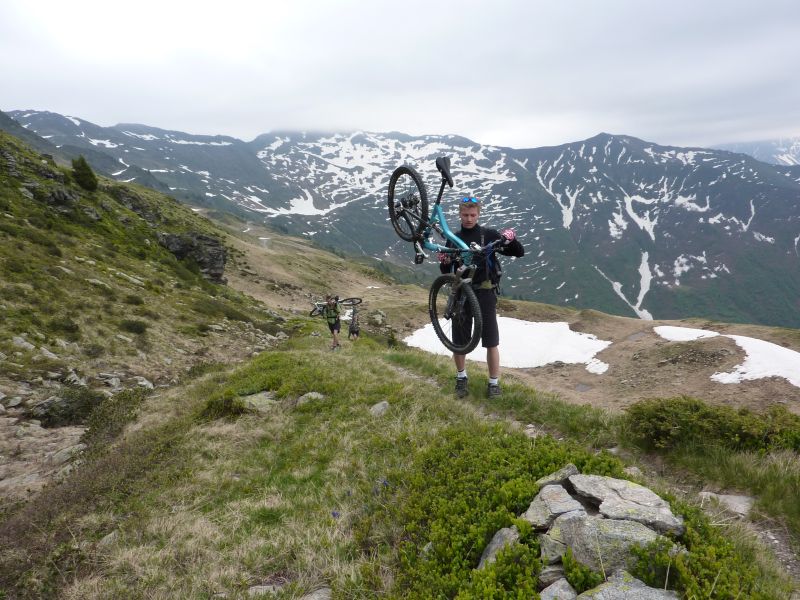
{"points": [[108, 419], [461, 491], [668, 424], [579, 576], [133, 326], [711, 568], [133, 299], [222, 406], [64, 326], [72, 406], [94, 350]]}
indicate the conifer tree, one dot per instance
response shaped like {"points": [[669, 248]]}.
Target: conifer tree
{"points": [[83, 174]]}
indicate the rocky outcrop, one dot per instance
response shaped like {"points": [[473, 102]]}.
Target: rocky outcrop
{"points": [[135, 203], [208, 252], [599, 519], [621, 499]]}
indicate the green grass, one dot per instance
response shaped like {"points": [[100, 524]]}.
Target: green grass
{"points": [[309, 494]]}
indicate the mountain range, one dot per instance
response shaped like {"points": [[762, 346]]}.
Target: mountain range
{"points": [[613, 223]]}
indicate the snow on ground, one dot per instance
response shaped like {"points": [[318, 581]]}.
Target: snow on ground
{"points": [[763, 359], [527, 344]]}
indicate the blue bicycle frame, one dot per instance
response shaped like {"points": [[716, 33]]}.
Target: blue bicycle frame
{"points": [[438, 223]]}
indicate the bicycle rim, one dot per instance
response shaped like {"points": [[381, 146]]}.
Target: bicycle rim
{"points": [[408, 203], [455, 319], [350, 301]]}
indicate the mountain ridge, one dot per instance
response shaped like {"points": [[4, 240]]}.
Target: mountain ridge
{"points": [[661, 231]]}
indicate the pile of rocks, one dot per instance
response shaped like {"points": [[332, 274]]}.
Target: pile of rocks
{"points": [[599, 519]]}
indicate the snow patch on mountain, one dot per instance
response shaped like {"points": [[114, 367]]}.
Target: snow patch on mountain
{"points": [[762, 359]]}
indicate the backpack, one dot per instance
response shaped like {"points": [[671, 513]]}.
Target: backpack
{"points": [[494, 270]]}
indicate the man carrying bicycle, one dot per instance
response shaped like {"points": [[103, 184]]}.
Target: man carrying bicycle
{"points": [[331, 312], [485, 283]]}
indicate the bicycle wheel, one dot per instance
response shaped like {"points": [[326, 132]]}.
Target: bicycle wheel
{"points": [[315, 312], [350, 301], [408, 203], [456, 318]]}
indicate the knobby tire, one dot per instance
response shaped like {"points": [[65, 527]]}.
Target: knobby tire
{"points": [[408, 203], [467, 317]]}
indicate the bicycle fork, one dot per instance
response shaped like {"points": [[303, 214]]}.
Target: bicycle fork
{"points": [[455, 300]]}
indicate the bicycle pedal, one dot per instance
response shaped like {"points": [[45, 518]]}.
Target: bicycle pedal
{"points": [[418, 259]]}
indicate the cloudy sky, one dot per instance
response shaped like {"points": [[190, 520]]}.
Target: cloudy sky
{"points": [[522, 73]]}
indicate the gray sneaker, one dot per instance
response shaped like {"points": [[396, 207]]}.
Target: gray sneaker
{"points": [[493, 390], [461, 387]]}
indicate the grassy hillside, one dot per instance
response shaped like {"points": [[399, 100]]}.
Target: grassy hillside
{"points": [[229, 475], [83, 275]]}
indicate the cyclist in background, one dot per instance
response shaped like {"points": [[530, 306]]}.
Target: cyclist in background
{"points": [[331, 312], [354, 329], [486, 285]]}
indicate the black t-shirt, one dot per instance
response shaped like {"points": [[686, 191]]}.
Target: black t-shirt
{"points": [[489, 235]]}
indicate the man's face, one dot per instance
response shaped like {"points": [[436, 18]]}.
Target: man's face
{"points": [[469, 213]]}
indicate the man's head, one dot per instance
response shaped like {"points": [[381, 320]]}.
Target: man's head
{"points": [[469, 211], [330, 299]]}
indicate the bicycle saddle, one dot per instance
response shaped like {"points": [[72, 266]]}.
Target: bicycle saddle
{"points": [[443, 164]]}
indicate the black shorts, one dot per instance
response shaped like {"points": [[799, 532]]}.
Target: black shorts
{"points": [[336, 326], [490, 334]]}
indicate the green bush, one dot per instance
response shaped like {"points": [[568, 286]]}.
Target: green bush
{"points": [[223, 406], [75, 405], [83, 174], [133, 326], [457, 495], [65, 326], [94, 350], [669, 424], [579, 576], [133, 299], [108, 419], [710, 569]]}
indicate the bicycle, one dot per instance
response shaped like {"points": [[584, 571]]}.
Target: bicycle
{"points": [[452, 304], [319, 305]]}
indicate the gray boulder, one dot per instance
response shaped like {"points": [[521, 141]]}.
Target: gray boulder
{"points": [[551, 501], [208, 252], [559, 476], [601, 544], [621, 499], [623, 586], [505, 537], [560, 590]]}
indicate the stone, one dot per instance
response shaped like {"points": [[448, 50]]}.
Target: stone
{"points": [[504, 537], [550, 574], [559, 476], [47, 354], [262, 402], [309, 397], [623, 586], [379, 409], [602, 544], [551, 501], [621, 499], [324, 593], [261, 590], [66, 454], [560, 590], [21, 342], [143, 382], [739, 505]]}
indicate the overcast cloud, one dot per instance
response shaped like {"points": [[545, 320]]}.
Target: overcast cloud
{"points": [[508, 73]]}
